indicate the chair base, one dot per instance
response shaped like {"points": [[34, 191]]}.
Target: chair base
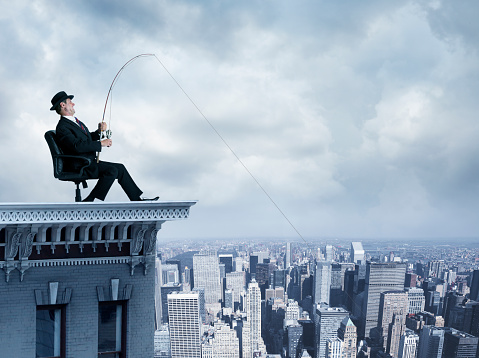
{"points": [[77, 190]]}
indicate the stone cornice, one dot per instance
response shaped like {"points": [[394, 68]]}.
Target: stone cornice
{"points": [[96, 212], [47, 234]]}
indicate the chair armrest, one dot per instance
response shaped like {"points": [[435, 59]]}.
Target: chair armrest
{"points": [[84, 161]]}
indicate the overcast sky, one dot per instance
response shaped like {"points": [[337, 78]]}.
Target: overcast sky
{"points": [[358, 118]]}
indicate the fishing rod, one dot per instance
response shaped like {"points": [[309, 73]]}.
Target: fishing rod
{"points": [[108, 133]]}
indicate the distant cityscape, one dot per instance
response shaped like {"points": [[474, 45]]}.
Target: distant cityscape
{"points": [[323, 299]]}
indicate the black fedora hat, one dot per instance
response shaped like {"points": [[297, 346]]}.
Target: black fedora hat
{"points": [[59, 97]]}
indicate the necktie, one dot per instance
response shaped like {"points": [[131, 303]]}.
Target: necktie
{"points": [[81, 125]]}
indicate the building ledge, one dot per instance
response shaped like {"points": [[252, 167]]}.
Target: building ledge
{"points": [[50, 213], [43, 234]]}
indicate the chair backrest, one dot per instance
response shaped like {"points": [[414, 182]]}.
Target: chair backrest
{"points": [[50, 137]]}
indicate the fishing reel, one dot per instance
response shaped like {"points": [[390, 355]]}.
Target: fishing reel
{"points": [[106, 134]]}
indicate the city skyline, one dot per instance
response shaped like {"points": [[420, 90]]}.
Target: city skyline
{"points": [[359, 120], [396, 294]]}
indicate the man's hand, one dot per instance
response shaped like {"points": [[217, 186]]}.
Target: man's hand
{"points": [[102, 126], [106, 143]]}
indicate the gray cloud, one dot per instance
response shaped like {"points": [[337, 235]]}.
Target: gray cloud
{"points": [[358, 119]]}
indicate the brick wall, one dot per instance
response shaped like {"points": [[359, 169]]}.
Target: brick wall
{"points": [[18, 308]]}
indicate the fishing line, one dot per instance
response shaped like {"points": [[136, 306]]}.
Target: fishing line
{"points": [[212, 127], [231, 149]]}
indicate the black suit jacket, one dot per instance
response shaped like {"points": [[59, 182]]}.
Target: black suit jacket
{"points": [[74, 141]]}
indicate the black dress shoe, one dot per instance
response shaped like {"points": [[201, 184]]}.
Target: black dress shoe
{"points": [[152, 199]]}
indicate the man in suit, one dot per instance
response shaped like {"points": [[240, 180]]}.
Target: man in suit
{"points": [[74, 138]]}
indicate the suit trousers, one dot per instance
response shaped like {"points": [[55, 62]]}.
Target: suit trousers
{"points": [[107, 173]]}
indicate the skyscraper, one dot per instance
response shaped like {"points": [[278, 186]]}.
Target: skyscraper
{"points": [[162, 342], [227, 260], [435, 268], [252, 340], [158, 284], [336, 288], [235, 281], [408, 345], [474, 292], [78, 279], [322, 282], [334, 348], [329, 253], [327, 321], [380, 277], [392, 319], [431, 342], [206, 272], [357, 253], [287, 258], [293, 336], [184, 317], [165, 290], [416, 300], [253, 261], [224, 343], [348, 334], [459, 344]]}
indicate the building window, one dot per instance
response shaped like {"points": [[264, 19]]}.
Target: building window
{"points": [[111, 329], [50, 329]]}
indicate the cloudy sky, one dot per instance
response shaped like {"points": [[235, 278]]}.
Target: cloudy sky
{"points": [[358, 118]]}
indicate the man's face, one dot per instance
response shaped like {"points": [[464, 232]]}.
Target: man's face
{"points": [[67, 107]]}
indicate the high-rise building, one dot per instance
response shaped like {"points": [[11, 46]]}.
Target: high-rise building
{"points": [[253, 261], [329, 253], [78, 279], [162, 342], [454, 310], [416, 300], [294, 332], [224, 343], [328, 321], [236, 282], [410, 280], [334, 348], [458, 344], [280, 278], [252, 340], [474, 292], [263, 275], [228, 301], [287, 257], [336, 287], [471, 318], [238, 264], [408, 345], [380, 277], [206, 272], [177, 263], [185, 329], [201, 302], [392, 319], [436, 267], [322, 282], [431, 342], [292, 311], [227, 260], [165, 290], [170, 273], [357, 253], [347, 333], [158, 303]]}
